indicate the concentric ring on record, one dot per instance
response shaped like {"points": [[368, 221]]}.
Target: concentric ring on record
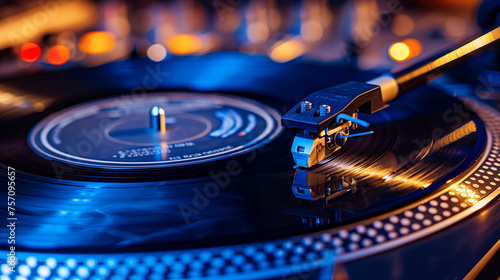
{"points": [[116, 133]]}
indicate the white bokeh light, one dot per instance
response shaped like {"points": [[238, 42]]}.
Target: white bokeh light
{"points": [[157, 52]]}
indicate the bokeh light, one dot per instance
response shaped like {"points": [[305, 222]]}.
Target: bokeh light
{"points": [[229, 23], [399, 51], [47, 17], [402, 25], [257, 32], [406, 49], [157, 52], [311, 31], [97, 42], [184, 44], [414, 45], [287, 50], [30, 52], [58, 54], [39, 107], [455, 27], [67, 38]]}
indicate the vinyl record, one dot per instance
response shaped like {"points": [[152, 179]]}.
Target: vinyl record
{"points": [[228, 194]]}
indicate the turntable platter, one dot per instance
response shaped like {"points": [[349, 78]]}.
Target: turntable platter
{"points": [[242, 204]]}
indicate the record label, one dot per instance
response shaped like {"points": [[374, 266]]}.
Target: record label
{"points": [[155, 130]]}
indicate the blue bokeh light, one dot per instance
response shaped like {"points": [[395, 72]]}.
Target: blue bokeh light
{"points": [[63, 272], [43, 271]]}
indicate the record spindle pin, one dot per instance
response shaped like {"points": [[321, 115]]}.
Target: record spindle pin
{"points": [[157, 119]]}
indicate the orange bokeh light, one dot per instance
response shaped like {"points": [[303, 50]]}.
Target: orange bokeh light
{"points": [[97, 42], [405, 50], [184, 44], [58, 54], [414, 45], [30, 52], [284, 51]]}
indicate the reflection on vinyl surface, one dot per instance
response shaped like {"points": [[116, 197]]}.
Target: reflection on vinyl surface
{"points": [[412, 152]]}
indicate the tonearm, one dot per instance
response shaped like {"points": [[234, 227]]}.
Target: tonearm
{"points": [[325, 119]]}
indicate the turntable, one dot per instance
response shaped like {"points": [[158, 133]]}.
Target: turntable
{"points": [[221, 166]]}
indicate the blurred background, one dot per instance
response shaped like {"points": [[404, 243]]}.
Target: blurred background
{"points": [[365, 34]]}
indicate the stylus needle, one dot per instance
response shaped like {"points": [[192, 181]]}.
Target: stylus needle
{"points": [[320, 131]]}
